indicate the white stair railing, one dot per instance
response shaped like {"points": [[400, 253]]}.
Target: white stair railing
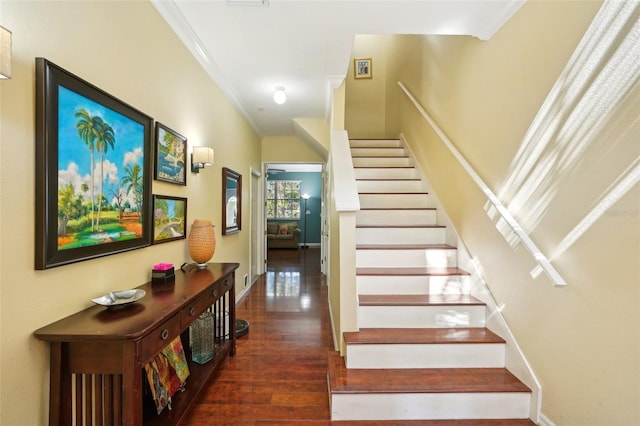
{"points": [[537, 254]]}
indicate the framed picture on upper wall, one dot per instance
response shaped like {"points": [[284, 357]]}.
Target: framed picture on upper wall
{"points": [[362, 68], [171, 149], [169, 218], [93, 171]]}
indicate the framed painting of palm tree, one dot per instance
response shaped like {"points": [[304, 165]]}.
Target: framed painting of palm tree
{"points": [[93, 171], [170, 158]]}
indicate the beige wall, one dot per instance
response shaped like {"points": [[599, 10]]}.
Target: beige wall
{"points": [[128, 50], [288, 149], [582, 340], [365, 99]]}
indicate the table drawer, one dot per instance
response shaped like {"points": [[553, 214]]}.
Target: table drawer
{"points": [[201, 304], [155, 341], [227, 283]]}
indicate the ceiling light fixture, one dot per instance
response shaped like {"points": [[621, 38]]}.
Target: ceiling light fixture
{"points": [[279, 96]]}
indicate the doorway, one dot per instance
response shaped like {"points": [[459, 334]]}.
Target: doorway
{"points": [[284, 187]]}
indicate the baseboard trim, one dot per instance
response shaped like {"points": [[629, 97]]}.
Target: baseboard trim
{"points": [[314, 245], [244, 293], [545, 421]]}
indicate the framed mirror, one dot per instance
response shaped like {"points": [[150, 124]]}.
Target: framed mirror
{"points": [[231, 201]]}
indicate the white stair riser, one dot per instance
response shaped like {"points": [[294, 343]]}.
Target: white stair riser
{"points": [[454, 355], [396, 217], [378, 152], [354, 143], [412, 284], [400, 235], [400, 258], [406, 201], [433, 406], [433, 316], [387, 173], [399, 186], [382, 162]]}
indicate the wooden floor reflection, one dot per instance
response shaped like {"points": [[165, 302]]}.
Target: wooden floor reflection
{"points": [[279, 373]]}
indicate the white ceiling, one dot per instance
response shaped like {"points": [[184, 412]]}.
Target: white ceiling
{"points": [[249, 47]]}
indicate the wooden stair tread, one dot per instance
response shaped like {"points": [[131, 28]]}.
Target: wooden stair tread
{"points": [[417, 299], [405, 247], [419, 380], [423, 270], [408, 336]]}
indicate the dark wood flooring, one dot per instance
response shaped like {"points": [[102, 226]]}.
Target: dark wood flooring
{"points": [[279, 373]]}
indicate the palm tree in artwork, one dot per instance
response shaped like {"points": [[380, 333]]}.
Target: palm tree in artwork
{"points": [[87, 126], [132, 181], [105, 138]]}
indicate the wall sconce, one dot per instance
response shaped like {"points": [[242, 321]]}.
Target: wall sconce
{"points": [[279, 96], [202, 156], [5, 53]]}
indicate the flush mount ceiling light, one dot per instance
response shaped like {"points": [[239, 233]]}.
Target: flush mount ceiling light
{"points": [[279, 96]]}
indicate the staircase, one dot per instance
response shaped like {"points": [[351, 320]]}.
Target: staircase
{"points": [[422, 351]]}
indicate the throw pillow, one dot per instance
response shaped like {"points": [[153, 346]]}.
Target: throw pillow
{"points": [[283, 230], [291, 227], [272, 228]]}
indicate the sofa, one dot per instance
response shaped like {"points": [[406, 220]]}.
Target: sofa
{"points": [[283, 235]]}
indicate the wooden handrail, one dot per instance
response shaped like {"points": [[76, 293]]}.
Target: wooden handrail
{"points": [[537, 254]]}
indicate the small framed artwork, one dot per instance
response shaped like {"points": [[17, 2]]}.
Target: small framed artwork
{"points": [[93, 171], [362, 68], [171, 149], [169, 218]]}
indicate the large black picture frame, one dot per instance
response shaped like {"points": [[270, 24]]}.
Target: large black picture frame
{"points": [[93, 171], [231, 201]]}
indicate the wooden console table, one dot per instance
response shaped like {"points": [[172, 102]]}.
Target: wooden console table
{"points": [[98, 355]]}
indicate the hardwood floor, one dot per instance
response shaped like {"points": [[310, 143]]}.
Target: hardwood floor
{"points": [[279, 373]]}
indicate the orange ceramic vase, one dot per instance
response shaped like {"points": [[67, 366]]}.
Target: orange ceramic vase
{"points": [[202, 242]]}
